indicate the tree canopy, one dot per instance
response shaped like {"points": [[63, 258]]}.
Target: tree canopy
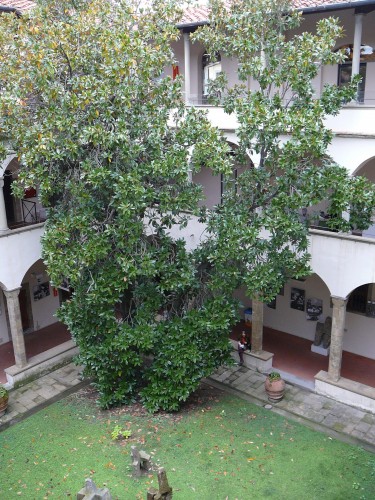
{"points": [[257, 236], [102, 130]]}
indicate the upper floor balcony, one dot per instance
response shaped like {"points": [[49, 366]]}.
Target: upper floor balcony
{"points": [[358, 42]]}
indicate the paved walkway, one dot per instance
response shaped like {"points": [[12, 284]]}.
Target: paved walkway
{"points": [[40, 393], [319, 412], [313, 410]]}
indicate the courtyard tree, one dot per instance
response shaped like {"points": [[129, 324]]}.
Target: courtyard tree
{"points": [[257, 237], [102, 130]]}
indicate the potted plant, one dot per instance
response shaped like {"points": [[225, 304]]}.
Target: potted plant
{"points": [[275, 387], [4, 396]]}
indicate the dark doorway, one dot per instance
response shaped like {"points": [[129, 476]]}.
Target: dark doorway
{"points": [[8, 198], [25, 307]]}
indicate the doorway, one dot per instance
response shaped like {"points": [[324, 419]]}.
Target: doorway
{"points": [[25, 308]]}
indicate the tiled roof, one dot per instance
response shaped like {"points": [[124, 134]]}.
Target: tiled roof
{"points": [[21, 5], [200, 14]]}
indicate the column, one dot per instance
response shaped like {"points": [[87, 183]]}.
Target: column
{"points": [[257, 327], [337, 336], [15, 321], [357, 47], [358, 23], [187, 66], [3, 214]]}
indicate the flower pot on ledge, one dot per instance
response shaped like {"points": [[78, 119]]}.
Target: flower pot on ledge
{"points": [[275, 387]]}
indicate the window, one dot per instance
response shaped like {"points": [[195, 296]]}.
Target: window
{"points": [[362, 300], [345, 75], [345, 69], [211, 68]]}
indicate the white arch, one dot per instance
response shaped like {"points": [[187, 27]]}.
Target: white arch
{"points": [[342, 262], [352, 152], [357, 171], [5, 163], [19, 249]]}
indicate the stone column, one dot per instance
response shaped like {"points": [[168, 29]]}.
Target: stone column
{"points": [[15, 321], [3, 215], [337, 336], [357, 43], [257, 327], [187, 66]]}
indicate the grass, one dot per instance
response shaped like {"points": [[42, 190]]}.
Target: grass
{"points": [[219, 447]]}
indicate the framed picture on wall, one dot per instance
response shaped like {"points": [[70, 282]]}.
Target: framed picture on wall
{"points": [[272, 304], [41, 291], [314, 309], [64, 285], [297, 299]]}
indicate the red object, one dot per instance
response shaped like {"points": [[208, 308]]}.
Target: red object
{"points": [[55, 292], [175, 71], [29, 192]]}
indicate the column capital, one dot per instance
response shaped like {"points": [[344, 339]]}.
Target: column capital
{"points": [[339, 301], [12, 294]]}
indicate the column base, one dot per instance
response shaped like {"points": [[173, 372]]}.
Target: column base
{"points": [[257, 361], [41, 364], [346, 391]]}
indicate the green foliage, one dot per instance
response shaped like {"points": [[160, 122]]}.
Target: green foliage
{"points": [[102, 129], [257, 236], [120, 433], [274, 376], [3, 392]]}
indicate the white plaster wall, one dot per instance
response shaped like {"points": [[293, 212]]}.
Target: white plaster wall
{"points": [[230, 66], [291, 320], [359, 335], [43, 310], [343, 262], [211, 185], [370, 82], [19, 249]]}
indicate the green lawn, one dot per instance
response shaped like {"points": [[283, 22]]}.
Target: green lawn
{"points": [[219, 447]]}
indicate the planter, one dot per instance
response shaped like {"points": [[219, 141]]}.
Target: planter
{"points": [[4, 396], [275, 387], [3, 404]]}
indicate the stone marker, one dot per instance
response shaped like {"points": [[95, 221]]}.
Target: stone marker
{"points": [[326, 341], [319, 333], [91, 492], [165, 491], [141, 462]]}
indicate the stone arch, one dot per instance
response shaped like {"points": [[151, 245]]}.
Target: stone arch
{"points": [[5, 163], [212, 184], [366, 169]]}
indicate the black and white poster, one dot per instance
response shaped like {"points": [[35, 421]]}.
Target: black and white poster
{"points": [[314, 309], [297, 299]]}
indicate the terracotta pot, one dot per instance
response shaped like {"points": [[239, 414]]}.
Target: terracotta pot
{"points": [[3, 404], [275, 389]]}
